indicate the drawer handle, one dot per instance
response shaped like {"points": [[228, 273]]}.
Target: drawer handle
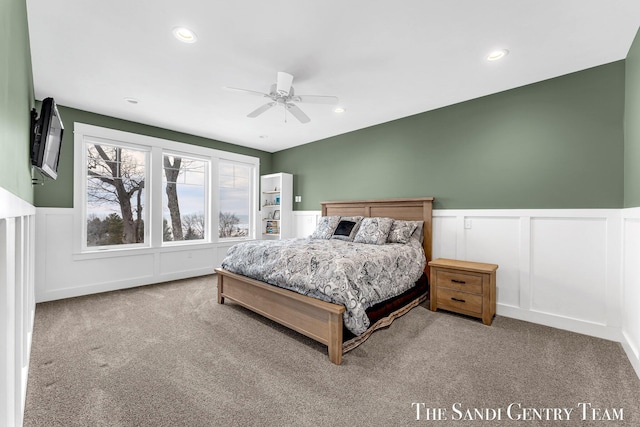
{"points": [[457, 299], [458, 281]]}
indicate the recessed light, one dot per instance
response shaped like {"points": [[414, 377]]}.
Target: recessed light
{"points": [[263, 136], [185, 35], [131, 100], [497, 54], [339, 110]]}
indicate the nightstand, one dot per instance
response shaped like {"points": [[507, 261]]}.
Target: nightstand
{"points": [[464, 287]]}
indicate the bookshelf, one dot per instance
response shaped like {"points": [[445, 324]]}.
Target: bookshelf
{"points": [[276, 204]]}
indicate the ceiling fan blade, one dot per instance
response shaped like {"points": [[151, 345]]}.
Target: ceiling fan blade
{"points": [[255, 113], [251, 92], [298, 113], [316, 99], [284, 83]]}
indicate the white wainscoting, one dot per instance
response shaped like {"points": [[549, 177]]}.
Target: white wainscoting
{"points": [[304, 222], [577, 269], [631, 285], [17, 303], [560, 268], [61, 273]]}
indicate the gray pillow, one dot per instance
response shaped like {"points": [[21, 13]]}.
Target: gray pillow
{"points": [[401, 231], [325, 228], [419, 233], [374, 231]]}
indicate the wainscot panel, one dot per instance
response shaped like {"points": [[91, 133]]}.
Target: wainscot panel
{"points": [[179, 261], [631, 286], [304, 222], [221, 252], [568, 268]]}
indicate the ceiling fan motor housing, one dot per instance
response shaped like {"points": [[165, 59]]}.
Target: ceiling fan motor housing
{"points": [[275, 94], [282, 93], [284, 82]]}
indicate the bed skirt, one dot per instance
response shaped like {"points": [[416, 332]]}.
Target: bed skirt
{"points": [[383, 314]]}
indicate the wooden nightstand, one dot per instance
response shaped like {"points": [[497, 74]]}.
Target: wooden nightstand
{"points": [[464, 287]]}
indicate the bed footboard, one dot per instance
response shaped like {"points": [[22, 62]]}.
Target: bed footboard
{"points": [[319, 320]]}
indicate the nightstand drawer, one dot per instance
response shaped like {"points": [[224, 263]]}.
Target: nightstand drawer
{"points": [[449, 298], [460, 281]]}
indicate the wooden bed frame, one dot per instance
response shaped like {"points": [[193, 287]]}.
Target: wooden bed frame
{"points": [[317, 319]]}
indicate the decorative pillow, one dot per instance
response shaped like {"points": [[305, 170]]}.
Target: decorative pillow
{"points": [[325, 228], [401, 231], [347, 228], [373, 231], [419, 233]]}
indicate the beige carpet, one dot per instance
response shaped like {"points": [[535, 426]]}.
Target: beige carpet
{"points": [[169, 355]]}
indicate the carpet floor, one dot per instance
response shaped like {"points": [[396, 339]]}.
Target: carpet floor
{"points": [[169, 355]]}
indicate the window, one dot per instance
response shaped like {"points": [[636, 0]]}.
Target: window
{"points": [[235, 199], [184, 201], [137, 192], [116, 197]]}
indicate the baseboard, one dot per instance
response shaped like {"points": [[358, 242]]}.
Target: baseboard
{"points": [[568, 324], [578, 326], [632, 353], [119, 285]]}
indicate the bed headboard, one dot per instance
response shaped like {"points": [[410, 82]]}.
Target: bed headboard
{"points": [[419, 209]]}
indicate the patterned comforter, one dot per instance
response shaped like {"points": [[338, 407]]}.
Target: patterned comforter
{"points": [[354, 275]]}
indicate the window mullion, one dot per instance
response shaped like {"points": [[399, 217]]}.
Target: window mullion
{"points": [[156, 197], [214, 200]]}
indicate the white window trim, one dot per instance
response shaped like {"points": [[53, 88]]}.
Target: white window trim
{"points": [[208, 237], [147, 150], [253, 220], [157, 147]]}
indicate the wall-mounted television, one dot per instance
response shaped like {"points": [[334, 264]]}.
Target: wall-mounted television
{"points": [[46, 138]]}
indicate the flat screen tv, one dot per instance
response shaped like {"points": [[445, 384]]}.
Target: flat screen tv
{"points": [[46, 138]]}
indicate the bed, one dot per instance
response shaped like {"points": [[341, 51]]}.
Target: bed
{"points": [[322, 320]]}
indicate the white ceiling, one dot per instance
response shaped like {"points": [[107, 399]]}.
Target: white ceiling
{"points": [[384, 59]]}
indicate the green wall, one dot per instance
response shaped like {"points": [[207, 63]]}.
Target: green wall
{"points": [[16, 99], [561, 143], [632, 127], [59, 193], [554, 144]]}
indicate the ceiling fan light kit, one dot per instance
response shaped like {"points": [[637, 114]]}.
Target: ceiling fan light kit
{"points": [[282, 93]]}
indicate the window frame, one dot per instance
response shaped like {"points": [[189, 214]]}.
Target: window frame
{"points": [[154, 170], [146, 211], [207, 194], [253, 219]]}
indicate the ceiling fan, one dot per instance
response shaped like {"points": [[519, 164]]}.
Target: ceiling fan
{"points": [[283, 94]]}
